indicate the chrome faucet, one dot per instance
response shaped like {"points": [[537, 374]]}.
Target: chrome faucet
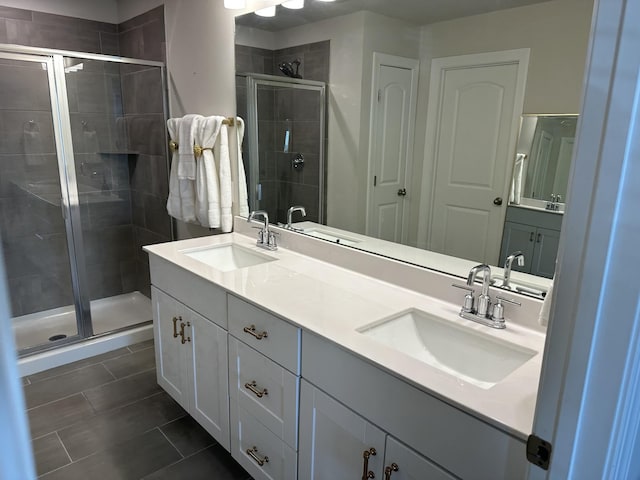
{"points": [[266, 238], [480, 311], [484, 301], [295, 208], [519, 257]]}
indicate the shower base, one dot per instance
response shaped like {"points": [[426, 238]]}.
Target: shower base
{"points": [[107, 314]]}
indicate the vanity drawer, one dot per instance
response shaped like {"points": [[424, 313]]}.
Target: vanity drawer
{"points": [[249, 436], [196, 292], [271, 336], [266, 390]]}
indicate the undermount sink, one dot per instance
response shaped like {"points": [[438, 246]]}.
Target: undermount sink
{"points": [[326, 235], [228, 257], [467, 354]]}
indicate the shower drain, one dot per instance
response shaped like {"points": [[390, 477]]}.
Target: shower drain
{"points": [[59, 336]]}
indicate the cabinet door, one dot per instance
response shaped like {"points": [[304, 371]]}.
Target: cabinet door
{"points": [[518, 236], [333, 439], [171, 354], [545, 252], [402, 463], [209, 403]]}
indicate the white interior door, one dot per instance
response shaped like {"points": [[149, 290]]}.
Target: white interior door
{"points": [[540, 162], [475, 106], [391, 139]]}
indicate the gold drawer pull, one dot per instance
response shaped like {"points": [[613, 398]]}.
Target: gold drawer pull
{"points": [[252, 331], [183, 340], [253, 453], [366, 473], [389, 470], [253, 387], [175, 326]]}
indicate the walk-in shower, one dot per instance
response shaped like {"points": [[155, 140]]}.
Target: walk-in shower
{"points": [[83, 180], [285, 140]]}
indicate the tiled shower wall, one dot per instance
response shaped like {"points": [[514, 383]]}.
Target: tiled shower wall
{"points": [[281, 109], [119, 145]]}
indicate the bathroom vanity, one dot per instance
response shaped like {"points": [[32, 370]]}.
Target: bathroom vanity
{"points": [[304, 369]]}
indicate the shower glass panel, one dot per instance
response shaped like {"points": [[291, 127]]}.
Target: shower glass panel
{"points": [[83, 186], [117, 127], [286, 132], [34, 235]]}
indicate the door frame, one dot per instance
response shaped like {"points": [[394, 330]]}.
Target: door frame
{"points": [[380, 59], [439, 66]]}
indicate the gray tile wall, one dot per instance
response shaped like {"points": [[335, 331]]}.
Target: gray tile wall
{"points": [[281, 109], [114, 112]]}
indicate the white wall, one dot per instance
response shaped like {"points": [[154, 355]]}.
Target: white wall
{"points": [[127, 9], [100, 10]]}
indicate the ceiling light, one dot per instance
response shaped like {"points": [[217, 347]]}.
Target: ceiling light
{"points": [[267, 12], [235, 4], [293, 4]]}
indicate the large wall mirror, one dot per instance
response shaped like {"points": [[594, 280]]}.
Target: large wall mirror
{"points": [[375, 117]]}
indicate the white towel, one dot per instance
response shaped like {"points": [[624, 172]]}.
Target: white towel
{"points": [[181, 201], [545, 311], [243, 201], [226, 180], [186, 159], [207, 183], [515, 195]]}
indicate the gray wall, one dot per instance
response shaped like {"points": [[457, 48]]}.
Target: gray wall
{"points": [[120, 153]]}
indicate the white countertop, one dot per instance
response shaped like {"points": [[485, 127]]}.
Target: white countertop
{"points": [[333, 302]]}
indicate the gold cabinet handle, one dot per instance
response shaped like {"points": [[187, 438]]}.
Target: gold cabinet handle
{"points": [[251, 330], [175, 326], [366, 473], [182, 325], [389, 469], [253, 453], [253, 386]]}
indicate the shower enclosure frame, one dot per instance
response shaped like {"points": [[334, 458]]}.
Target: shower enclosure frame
{"points": [[254, 80], [54, 60]]}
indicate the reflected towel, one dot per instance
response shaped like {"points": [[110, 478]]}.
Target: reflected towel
{"points": [[243, 201], [208, 199], [515, 196], [545, 311]]}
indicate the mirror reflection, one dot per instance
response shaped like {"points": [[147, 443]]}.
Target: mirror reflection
{"points": [[421, 113]]}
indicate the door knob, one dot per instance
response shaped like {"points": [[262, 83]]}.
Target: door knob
{"points": [[402, 192], [497, 201]]}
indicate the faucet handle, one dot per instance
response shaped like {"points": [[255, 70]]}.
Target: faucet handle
{"points": [[469, 301], [498, 308]]}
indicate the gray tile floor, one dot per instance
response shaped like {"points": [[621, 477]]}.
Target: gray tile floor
{"points": [[106, 417]]}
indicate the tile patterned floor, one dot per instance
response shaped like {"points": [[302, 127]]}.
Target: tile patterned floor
{"points": [[105, 417]]}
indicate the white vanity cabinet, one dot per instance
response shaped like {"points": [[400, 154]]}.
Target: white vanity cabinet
{"points": [[451, 441], [192, 363], [336, 442], [264, 367]]}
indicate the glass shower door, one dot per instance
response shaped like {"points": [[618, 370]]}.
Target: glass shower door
{"points": [[33, 200], [117, 122]]}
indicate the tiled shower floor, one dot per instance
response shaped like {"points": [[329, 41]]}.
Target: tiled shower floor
{"points": [[107, 314], [106, 418]]}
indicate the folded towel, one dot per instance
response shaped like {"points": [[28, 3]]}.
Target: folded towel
{"points": [[207, 184], [243, 198], [515, 196], [186, 159], [545, 311], [226, 189], [181, 201]]}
